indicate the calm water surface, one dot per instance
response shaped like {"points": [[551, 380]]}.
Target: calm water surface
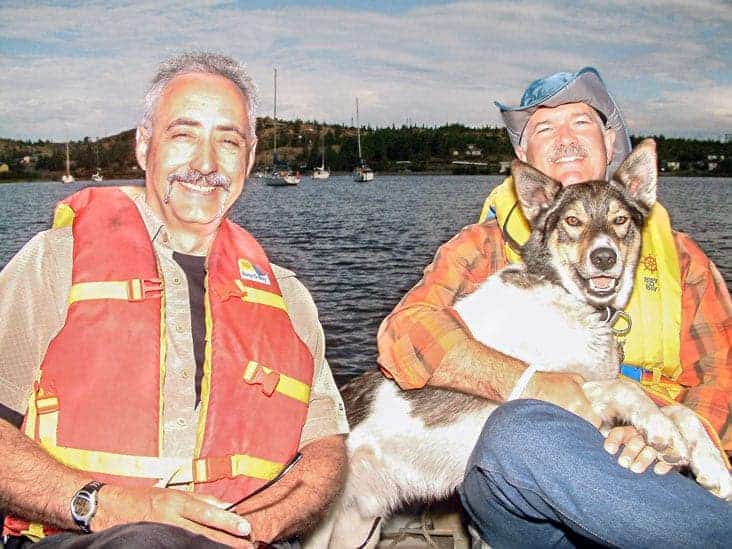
{"points": [[360, 247]]}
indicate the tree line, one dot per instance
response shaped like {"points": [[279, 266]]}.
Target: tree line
{"points": [[452, 148]]}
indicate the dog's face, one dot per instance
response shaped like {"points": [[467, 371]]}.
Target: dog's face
{"points": [[587, 236]]}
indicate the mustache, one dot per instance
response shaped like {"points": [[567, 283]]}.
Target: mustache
{"points": [[572, 149], [194, 177]]}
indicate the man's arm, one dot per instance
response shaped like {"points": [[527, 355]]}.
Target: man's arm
{"points": [[36, 487], [299, 500], [423, 340], [706, 333]]}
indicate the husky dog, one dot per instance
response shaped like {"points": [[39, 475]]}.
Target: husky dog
{"points": [[579, 263]]}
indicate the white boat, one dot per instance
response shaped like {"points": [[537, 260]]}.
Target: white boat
{"points": [[97, 176], [280, 175], [320, 172], [362, 172], [282, 178], [67, 177]]}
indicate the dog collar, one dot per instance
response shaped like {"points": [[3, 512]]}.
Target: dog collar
{"points": [[612, 316]]}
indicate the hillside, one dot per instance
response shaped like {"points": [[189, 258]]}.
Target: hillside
{"points": [[448, 149]]}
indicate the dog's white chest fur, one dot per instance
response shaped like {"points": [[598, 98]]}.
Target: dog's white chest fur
{"points": [[540, 324]]}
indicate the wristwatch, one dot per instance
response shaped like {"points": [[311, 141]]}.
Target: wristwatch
{"points": [[84, 505]]}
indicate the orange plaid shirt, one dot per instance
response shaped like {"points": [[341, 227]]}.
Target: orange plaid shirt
{"points": [[423, 327]]}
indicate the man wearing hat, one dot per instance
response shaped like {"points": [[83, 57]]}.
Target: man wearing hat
{"points": [[540, 475]]}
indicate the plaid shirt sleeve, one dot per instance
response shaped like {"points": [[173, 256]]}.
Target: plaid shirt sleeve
{"points": [[706, 330], [423, 327]]}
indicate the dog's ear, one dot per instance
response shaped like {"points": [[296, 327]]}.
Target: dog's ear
{"points": [[639, 174], [534, 189]]}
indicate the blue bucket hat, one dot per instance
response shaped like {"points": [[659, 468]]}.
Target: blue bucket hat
{"points": [[584, 86]]}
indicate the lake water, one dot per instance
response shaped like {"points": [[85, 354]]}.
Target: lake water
{"points": [[360, 247]]}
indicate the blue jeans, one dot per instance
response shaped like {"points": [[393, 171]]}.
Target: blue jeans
{"points": [[539, 477]]}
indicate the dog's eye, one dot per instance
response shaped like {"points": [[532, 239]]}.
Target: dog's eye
{"points": [[573, 221], [620, 220]]}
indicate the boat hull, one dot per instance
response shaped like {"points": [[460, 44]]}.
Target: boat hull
{"points": [[319, 173], [276, 181], [363, 176]]}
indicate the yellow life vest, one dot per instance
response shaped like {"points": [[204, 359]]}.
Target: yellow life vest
{"points": [[655, 305]]}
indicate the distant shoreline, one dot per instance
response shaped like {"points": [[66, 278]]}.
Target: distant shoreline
{"points": [[387, 173]]}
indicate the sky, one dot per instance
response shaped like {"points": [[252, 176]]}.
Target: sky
{"points": [[72, 69]]}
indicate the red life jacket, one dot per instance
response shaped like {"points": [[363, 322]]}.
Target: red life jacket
{"points": [[98, 401]]}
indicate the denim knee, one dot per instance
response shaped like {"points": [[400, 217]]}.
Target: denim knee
{"points": [[529, 433]]}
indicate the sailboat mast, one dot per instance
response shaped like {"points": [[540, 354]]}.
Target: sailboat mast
{"points": [[358, 132], [68, 162], [274, 156], [322, 150]]}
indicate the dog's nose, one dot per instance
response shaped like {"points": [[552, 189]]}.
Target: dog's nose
{"points": [[603, 258]]}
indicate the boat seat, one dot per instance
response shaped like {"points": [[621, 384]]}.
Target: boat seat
{"points": [[441, 525]]}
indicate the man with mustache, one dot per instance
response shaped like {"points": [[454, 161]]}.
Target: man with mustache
{"points": [[541, 476], [150, 344]]}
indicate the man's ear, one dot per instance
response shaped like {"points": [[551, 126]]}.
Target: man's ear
{"points": [[609, 135], [535, 190], [252, 157], [142, 142], [639, 174], [520, 153]]}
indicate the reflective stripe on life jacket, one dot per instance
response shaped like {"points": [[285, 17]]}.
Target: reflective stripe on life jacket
{"points": [[97, 404]]}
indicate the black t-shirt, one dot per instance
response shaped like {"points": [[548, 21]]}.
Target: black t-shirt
{"points": [[195, 268]]}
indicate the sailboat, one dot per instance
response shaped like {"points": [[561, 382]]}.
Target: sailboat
{"points": [[320, 172], [362, 173], [281, 175], [97, 176], [67, 177]]}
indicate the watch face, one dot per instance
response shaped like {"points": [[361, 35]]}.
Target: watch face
{"points": [[83, 504]]}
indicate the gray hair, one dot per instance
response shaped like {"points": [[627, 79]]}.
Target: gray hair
{"points": [[205, 63]]}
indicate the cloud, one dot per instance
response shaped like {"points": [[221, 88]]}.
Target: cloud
{"points": [[81, 69]]}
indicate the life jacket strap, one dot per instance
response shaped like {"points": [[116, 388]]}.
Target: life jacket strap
{"points": [[653, 381], [169, 470], [260, 297], [271, 381], [217, 468], [135, 289], [47, 413]]}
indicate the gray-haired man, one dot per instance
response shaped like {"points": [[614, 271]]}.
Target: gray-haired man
{"points": [[157, 347]]}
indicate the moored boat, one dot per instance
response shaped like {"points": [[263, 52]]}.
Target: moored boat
{"points": [[361, 173], [320, 172], [280, 175], [67, 177]]}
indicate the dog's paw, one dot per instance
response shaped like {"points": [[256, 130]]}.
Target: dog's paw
{"points": [[661, 434], [713, 475], [705, 459]]}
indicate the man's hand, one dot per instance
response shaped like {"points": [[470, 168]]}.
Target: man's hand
{"points": [[296, 502], [564, 390], [194, 512], [636, 454]]}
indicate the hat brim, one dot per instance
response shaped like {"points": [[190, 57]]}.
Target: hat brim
{"points": [[587, 87]]}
